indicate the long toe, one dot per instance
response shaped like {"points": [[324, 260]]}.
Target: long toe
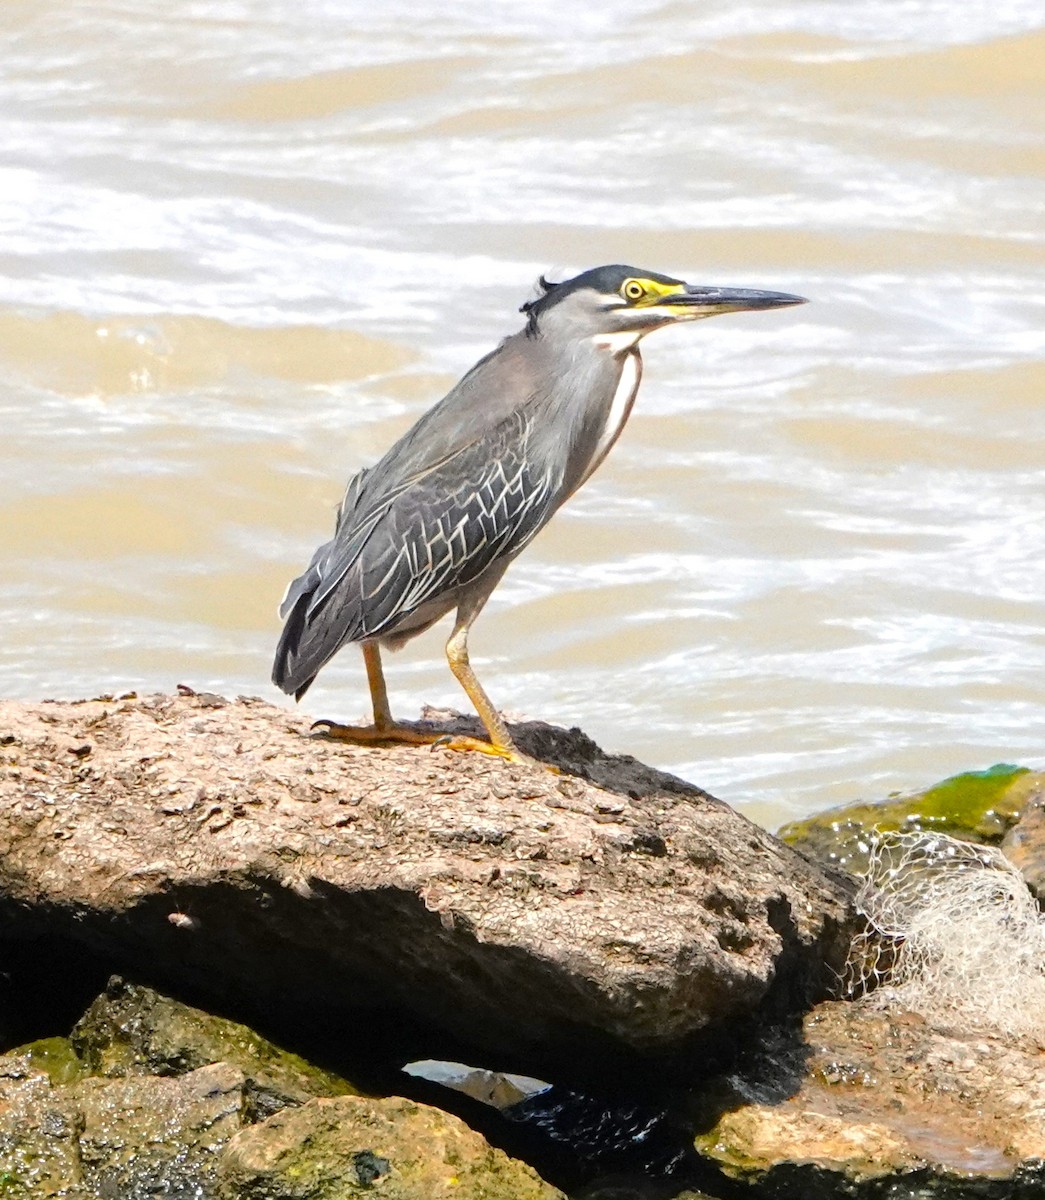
{"points": [[460, 741], [374, 735], [390, 735]]}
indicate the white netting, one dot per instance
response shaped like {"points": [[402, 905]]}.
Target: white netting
{"points": [[953, 933]]}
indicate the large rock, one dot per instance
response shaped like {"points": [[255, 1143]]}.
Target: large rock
{"points": [[866, 1105], [1024, 844], [214, 845]]}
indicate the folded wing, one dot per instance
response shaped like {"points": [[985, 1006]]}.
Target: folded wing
{"points": [[397, 548]]}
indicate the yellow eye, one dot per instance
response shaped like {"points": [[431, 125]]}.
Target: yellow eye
{"points": [[632, 290]]}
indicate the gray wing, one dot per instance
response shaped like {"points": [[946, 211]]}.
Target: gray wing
{"points": [[448, 529], [428, 535], [312, 576]]}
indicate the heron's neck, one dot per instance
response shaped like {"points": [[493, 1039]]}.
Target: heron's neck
{"points": [[619, 409]]}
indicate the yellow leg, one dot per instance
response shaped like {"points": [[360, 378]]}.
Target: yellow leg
{"points": [[385, 731], [378, 692], [457, 657]]}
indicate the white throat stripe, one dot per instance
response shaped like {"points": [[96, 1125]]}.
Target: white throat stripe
{"points": [[617, 342]]}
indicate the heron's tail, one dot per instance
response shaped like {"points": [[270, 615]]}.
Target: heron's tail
{"points": [[297, 662], [316, 627], [289, 672]]}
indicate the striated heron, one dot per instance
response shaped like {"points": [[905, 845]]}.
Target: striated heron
{"points": [[433, 525]]}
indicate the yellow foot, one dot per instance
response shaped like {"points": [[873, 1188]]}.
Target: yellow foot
{"points": [[388, 735]]}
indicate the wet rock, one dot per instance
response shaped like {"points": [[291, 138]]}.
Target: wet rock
{"points": [[160, 1119], [133, 1030], [53, 1057], [132, 1138], [977, 806], [1024, 844], [149, 1136], [867, 1104], [39, 1146], [140, 1100], [332, 1149], [221, 849]]}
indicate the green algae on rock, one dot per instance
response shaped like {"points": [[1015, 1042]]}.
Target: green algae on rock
{"points": [[52, 1056], [149, 1097], [976, 806], [139, 1100], [336, 1148], [132, 1030]]}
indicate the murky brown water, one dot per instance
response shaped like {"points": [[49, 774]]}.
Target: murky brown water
{"points": [[243, 245]]}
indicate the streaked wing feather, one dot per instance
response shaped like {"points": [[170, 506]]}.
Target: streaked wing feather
{"points": [[436, 532], [435, 540], [306, 582], [316, 573], [407, 538]]}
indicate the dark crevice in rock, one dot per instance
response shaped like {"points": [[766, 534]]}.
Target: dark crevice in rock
{"points": [[46, 983]]}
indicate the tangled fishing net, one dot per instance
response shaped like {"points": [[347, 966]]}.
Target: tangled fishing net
{"points": [[952, 933]]}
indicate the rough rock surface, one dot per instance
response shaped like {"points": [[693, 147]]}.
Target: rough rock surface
{"points": [[149, 1135], [213, 842], [39, 1148], [332, 1149], [152, 1098], [871, 1105], [1024, 844], [131, 1138]]}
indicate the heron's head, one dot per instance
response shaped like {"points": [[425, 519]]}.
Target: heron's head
{"points": [[615, 306]]}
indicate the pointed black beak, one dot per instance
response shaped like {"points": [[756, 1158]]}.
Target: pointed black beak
{"points": [[707, 300]]}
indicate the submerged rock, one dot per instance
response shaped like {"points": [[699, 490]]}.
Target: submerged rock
{"points": [[864, 1104], [214, 845], [977, 806]]}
